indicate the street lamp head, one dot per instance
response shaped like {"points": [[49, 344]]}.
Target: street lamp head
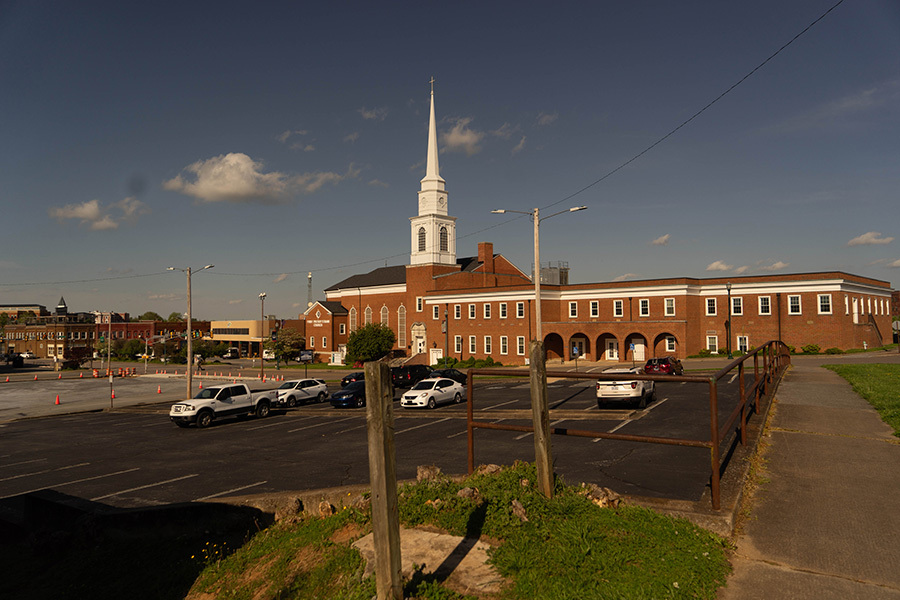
{"points": [[728, 286], [170, 268], [208, 267], [499, 211], [577, 208], [262, 296]]}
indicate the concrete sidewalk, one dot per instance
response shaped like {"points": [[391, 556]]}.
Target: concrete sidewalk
{"points": [[825, 521]]}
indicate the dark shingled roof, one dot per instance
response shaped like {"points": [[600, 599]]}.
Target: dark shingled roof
{"points": [[335, 308], [381, 276]]}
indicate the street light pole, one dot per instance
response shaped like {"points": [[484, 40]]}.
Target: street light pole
{"points": [[189, 374], [262, 320], [728, 325]]}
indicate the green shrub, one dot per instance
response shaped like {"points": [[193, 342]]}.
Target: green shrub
{"points": [[834, 351], [810, 349], [791, 349], [705, 352]]}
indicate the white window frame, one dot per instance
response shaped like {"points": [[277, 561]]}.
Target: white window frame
{"points": [[420, 304], [471, 311], [504, 345], [714, 347], [644, 307], [487, 310], [401, 326], [737, 306], [746, 345], [312, 341], [342, 329], [711, 302], [385, 316], [436, 312], [759, 305], [457, 311], [473, 344], [457, 343], [520, 345], [573, 310], [670, 306], [324, 342], [618, 309], [520, 310], [670, 343], [503, 312], [791, 310], [595, 309], [488, 345], [827, 298]]}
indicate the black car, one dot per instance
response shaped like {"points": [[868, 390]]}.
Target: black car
{"points": [[406, 377], [454, 374], [352, 377], [354, 394]]}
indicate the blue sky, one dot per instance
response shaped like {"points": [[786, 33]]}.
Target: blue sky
{"points": [[273, 139]]}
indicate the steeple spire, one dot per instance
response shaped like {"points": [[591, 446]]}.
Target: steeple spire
{"points": [[432, 170]]}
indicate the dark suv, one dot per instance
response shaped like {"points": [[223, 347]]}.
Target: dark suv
{"points": [[406, 377], [667, 365]]}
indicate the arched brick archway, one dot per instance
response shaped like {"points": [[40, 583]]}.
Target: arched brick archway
{"points": [[583, 343], [553, 346], [661, 346], [608, 347], [639, 354]]}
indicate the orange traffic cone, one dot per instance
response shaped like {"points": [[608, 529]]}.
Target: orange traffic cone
{"points": [[7, 379], [201, 385], [81, 375], [35, 377], [59, 376], [159, 389], [113, 395], [57, 399]]}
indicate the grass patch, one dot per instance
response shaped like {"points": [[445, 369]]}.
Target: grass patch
{"points": [[878, 384], [568, 547]]}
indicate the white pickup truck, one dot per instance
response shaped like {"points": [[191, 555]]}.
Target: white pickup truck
{"points": [[231, 399]]}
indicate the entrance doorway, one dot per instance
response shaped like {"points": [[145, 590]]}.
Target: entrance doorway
{"points": [[612, 349]]}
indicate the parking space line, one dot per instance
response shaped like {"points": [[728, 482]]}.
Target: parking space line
{"points": [[44, 471], [614, 429], [144, 487], [423, 425], [465, 431], [276, 424], [238, 489], [501, 404], [56, 485], [24, 462], [320, 424], [349, 429], [525, 435]]}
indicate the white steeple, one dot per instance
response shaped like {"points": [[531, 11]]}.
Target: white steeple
{"points": [[433, 232]]}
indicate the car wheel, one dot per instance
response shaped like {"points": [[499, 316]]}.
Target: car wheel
{"points": [[642, 403], [599, 403], [360, 403], [431, 403], [320, 398], [457, 398], [262, 410], [204, 419], [291, 402]]}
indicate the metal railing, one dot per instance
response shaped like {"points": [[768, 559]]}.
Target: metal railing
{"points": [[775, 359]]}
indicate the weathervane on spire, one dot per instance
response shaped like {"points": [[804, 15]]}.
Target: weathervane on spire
{"points": [[432, 85]]}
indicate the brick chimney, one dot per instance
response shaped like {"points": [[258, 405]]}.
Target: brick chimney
{"points": [[486, 256]]}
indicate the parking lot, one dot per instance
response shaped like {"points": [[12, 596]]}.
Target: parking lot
{"points": [[134, 456]]}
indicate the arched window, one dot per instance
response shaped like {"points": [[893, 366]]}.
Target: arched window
{"points": [[353, 318], [421, 239], [384, 315], [401, 327], [368, 315], [445, 240]]}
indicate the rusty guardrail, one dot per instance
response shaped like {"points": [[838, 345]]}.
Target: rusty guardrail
{"points": [[775, 359]]}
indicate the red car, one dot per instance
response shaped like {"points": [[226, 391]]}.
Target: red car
{"points": [[667, 365]]}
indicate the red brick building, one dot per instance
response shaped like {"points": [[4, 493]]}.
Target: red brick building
{"points": [[483, 306]]}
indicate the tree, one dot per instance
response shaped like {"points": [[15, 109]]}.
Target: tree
{"points": [[175, 317], [370, 342], [79, 355], [287, 345], [150, 316]]}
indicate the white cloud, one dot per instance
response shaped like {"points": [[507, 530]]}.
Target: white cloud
{"points": [[625, 276], [870, 239], [741, 270], [775, 266], [519, 147], [352, 137], [378, 183], [235, 177], [505, 131], [461, 138], [98, 218], [547, 118], [235, 301], [374, 114], [719, 266], [283, 137], [281, 278], [163, 297], [662, 240], [895, 264], [840, 110]]}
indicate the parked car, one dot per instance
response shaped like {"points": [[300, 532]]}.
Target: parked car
{"points": [[625, 389], [431, 392], [667, 365], [348, 379], [231, 354], [408, 376], [221, 401], [291, 393], [354, 394], [453, 374], [29, 354]]}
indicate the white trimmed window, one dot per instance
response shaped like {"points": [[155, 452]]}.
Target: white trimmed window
{"points": [[737, 306], [420, 304], [473, 345], [401, 326], [765, 305], [825, 304], [846, 305], [573, 310], [435, 312], [794, 306], [670, 344], [471, 311], [520, 310], [368, 315], [503, 310], [421, 239], [324, 342], [353, 318], [645, 307], [487, 344], [520, 345], [743, 344], [618, 308], [457, 311], [384, 316], [342, 328], [487, 310], [457, 343], [595, 309], [712, 343], [710, 307], [670, 307], [504, 344], [312, 341]]}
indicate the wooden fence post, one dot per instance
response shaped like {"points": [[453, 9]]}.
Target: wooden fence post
{"points": [[383, 478], [540, 415]]}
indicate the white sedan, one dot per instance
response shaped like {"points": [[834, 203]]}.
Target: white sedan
{"points": [[291, 393], [431, 392], [625, 389]]}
